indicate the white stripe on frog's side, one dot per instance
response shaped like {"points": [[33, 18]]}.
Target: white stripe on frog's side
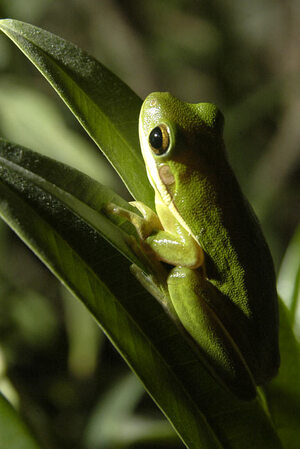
{"points": [[159, 187]]}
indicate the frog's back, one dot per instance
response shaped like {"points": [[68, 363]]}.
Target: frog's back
{"points": [[238, 263]]}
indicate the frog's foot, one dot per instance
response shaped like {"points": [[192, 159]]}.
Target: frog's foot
{"points": [[145, 225], [157, 289], [148, 214]]}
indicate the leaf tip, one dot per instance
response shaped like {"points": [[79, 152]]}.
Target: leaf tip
{"points": [[6, 23]]}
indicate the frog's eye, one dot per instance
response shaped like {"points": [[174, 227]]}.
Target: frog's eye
{"points": [[159, 139]]}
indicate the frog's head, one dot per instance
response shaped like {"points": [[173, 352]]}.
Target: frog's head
{"points": [[175, 137]]}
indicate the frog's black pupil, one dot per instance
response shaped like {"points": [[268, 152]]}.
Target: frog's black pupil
{"points": [[156, 138]]}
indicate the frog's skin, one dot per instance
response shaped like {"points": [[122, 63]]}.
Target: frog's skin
{"points": [[223, 284]]}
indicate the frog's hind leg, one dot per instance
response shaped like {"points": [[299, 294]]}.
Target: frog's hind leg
{"points": [[188, 290]]}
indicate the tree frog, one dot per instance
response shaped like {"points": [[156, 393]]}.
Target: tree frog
{"points": [[221, 281]]}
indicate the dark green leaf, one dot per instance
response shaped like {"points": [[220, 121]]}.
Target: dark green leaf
{"points": [[54, 209], [106, 107], [54, 179], [283, 393]]}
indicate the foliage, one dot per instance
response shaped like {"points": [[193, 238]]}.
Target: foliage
{"points": [[52, 206]]}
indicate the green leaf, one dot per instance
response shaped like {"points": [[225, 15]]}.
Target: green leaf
{"points": [[114, 424], [289, 281], [27, 116], [13, 431], [283, 393], [87, 197], [103, 104], [82, 333], [54, 209]]}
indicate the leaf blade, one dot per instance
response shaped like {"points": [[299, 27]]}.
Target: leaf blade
{"points": [[103, 104], [283, 392], [289, 281], [82, 280], [202, 413], [13, 431]]}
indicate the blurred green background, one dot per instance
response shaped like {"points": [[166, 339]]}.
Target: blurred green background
{"points": [[69, 383]]}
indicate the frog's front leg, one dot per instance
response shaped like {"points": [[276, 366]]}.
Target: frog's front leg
{"points": [[191, 294], [145, 225], [176, 248], [154, 280]]}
